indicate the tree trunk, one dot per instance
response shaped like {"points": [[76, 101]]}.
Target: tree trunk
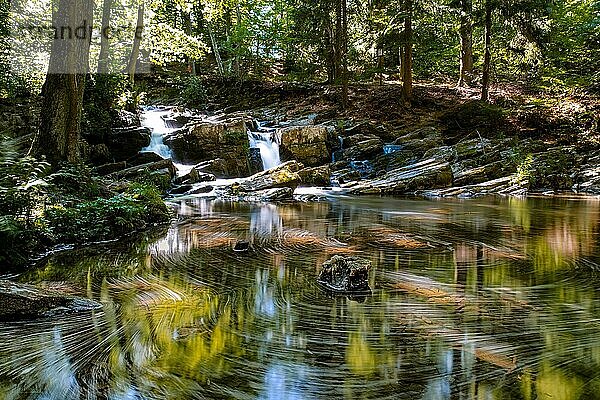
{"points": [[329, 50], [215, 48], [104, 37], [407, 62], [137, 38], [58, 136], [344, 53], [338, 41], [485, 84], [466, 44], [187, 23]]}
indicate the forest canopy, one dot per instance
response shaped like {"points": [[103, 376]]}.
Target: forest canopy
{"points": [[550, 44]]}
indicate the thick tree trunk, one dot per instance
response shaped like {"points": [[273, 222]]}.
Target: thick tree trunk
{"points": [[485, 84], [466, 43], [104, 37], [137, 38], [58, 136], [407, 61]]}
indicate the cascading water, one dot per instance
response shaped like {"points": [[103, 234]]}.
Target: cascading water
{"points": [[267, 140], [153, 118]]}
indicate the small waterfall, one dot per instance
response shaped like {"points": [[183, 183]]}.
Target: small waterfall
{"points": [[267, 140], [339, 152], [153, 119]]}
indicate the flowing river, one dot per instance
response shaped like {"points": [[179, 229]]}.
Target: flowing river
{"points": [[491, 299]]}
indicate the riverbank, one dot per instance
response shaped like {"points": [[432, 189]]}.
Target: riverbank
{"points": [[445, 143]]}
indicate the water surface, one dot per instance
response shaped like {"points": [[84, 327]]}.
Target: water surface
{"points": [[490, 298]]}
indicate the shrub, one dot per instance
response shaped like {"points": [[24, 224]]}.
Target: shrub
{"points": [[193, 91]]}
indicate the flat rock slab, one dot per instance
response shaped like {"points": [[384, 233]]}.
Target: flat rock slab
{"points": [[426, 174], [19, 301]]}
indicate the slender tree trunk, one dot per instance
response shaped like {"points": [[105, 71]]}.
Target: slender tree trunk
{"points": [[215, 48], [330, 51], [407, 62], [58, 136], [135, 50], [187, 23], [104, 37], [238, 24], [485, 84], [466, 43], [344, 53], [338, 40]]}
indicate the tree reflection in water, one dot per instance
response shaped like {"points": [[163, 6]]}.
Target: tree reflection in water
{"points": [[492, 298]]}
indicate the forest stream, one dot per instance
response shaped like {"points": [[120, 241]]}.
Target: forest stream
{"points": [[485, 298]]}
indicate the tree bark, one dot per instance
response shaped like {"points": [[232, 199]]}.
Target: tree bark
{"points": [[344, 53], [466, 43], [329, 50], [137, 38], [485, 84], [407, 61], [104, 37], [338, 41], [215, 48], [58, 136]]}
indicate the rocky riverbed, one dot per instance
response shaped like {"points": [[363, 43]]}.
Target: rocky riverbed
{"points": [[357, 157]]}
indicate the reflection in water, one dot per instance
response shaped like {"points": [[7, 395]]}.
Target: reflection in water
{"points": [[475, 299]]}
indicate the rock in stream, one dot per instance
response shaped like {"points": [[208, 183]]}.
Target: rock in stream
{"points": [[19, 300], [345, 274]]}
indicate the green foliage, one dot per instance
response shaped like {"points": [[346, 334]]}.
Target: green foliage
{"points": [[100, 98], [102, 219], [70, 205], [23, 183], [524, 167], [193, 91], [75, 181]]}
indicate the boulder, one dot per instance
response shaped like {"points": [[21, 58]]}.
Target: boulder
{"points": [[483, 173], [205, 141], [126, 119], [364, 150], [316, 175], [98, 154], [194, 176], [26, 301], [307, 144], [165, 166], [217, 167], [277, 183], [588, 178], [346, 175], [345, 274], [110, 168], [125, 143], [144, 157], [256, 163], [181, 189], [284, 175], [427, 174]]}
